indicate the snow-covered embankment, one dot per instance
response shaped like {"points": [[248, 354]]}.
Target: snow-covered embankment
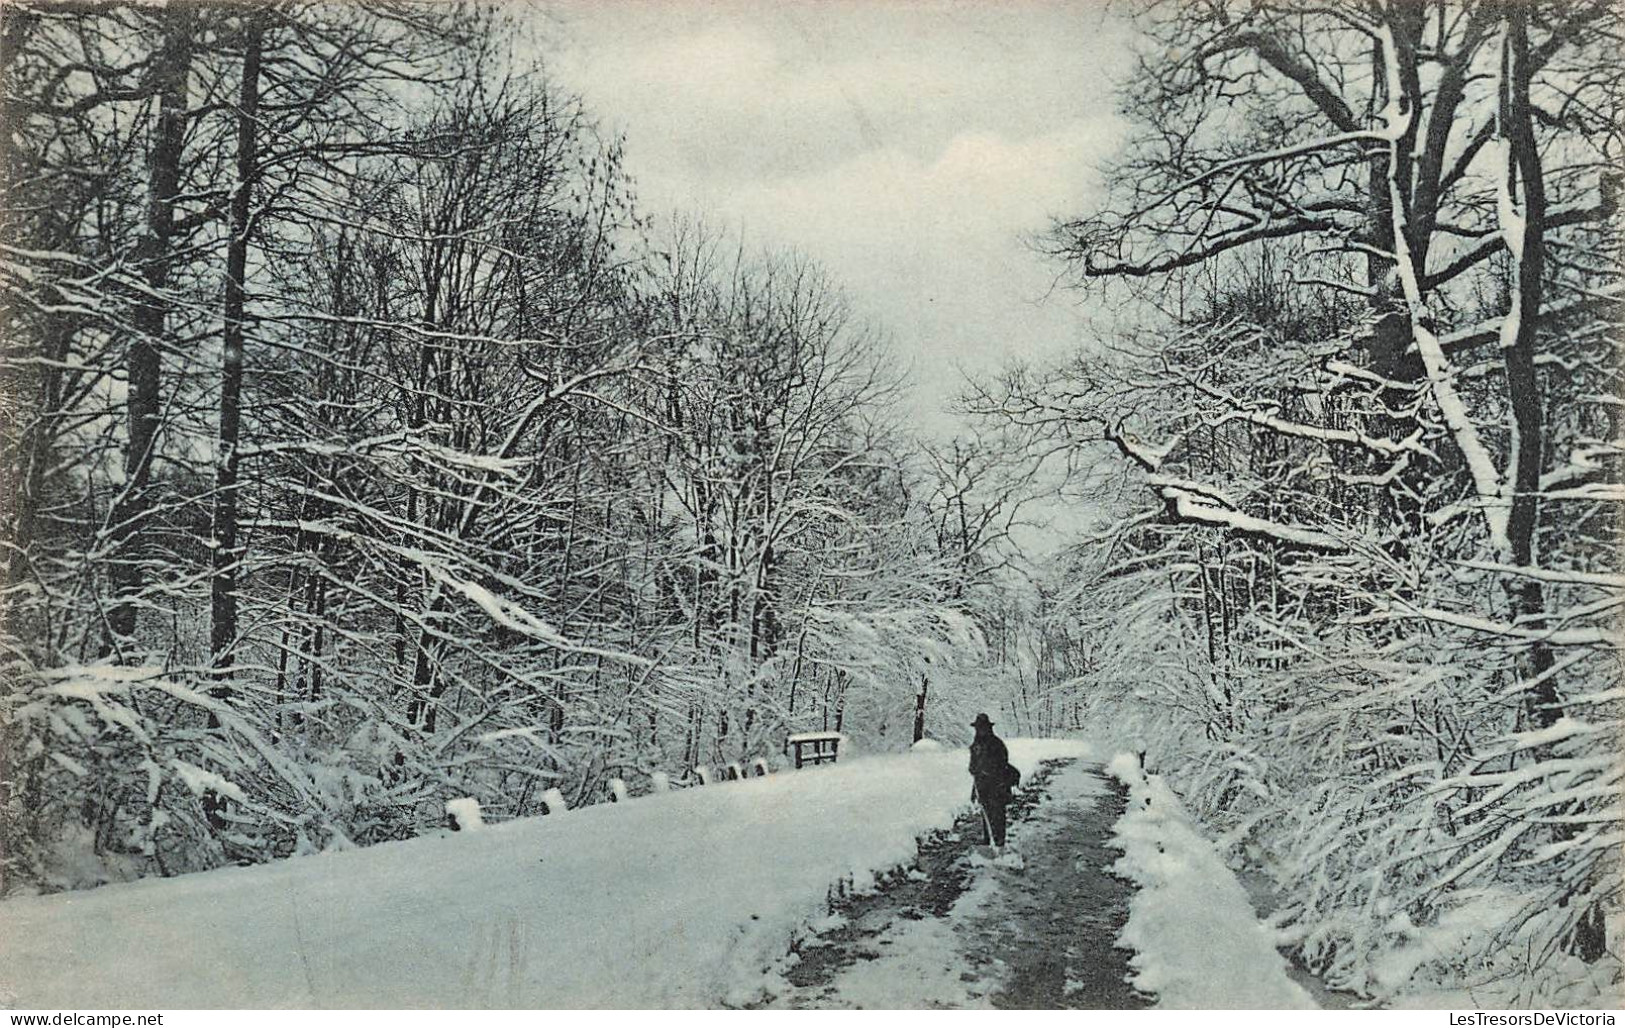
{"points": [[678, 899], [1197, 943]]}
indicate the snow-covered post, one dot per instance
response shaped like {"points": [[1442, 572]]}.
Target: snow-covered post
{"points": [[617, 790], [734, 772], [553, 800], [659, 781], [464, 814], [759, 767], [703, 773]]}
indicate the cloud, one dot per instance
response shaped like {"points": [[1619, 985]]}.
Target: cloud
{"points": [[908, 147], [740, 92], [936, 250]]}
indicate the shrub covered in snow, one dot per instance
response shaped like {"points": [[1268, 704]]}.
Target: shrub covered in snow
{"points": [[1424, 837]]}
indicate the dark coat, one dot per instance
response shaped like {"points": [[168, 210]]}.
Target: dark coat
{"points": [[989, 759]]}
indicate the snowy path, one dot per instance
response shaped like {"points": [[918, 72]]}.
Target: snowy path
{"points": [[960, 931], [677, 900], [695, 899]]}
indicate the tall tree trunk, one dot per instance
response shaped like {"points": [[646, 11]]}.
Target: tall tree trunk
{"points": [[1524, 396], [131, 508], [1534, 665], [227, 551], [223, 528]]}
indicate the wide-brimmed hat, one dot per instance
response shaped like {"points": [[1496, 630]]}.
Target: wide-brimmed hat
{"points": [[981, 719]]}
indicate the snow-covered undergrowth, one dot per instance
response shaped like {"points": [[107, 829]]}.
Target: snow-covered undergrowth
{"points": [[678, 899], [1488, 946], [1400, 890], [1424, 969], [1197, 943], [1400, 879]]}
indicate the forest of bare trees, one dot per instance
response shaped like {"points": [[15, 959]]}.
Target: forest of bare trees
{"points": [[372, 448]]}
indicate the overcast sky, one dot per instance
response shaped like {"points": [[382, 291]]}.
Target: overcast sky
{"points": [[907, 146]]}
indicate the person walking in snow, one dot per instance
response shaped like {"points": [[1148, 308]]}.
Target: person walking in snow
{"points": [[991, 772]]}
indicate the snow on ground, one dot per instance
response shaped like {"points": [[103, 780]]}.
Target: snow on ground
{"points": [[1039, 938], [672, 900], [466, 812], [919, 964], [1197, 943], [1417, 973]]}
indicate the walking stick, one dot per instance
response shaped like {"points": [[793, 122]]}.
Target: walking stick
{"points": [[987, 823]]}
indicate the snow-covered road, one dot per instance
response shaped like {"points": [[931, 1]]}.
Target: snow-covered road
{"points": [[696, 899], [671, 900], [965, 931]]}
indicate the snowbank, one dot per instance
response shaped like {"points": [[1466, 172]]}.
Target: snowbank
{"points": [[466, 813], [672, 900], [1197, 943]]}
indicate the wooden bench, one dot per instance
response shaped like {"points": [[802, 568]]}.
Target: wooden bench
{"points": [[814, 747]]}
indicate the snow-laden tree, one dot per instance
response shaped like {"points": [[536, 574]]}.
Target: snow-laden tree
{"points": [[973, 497], [373, 457], [266, 132], [810, 589], [1371, 384]]}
